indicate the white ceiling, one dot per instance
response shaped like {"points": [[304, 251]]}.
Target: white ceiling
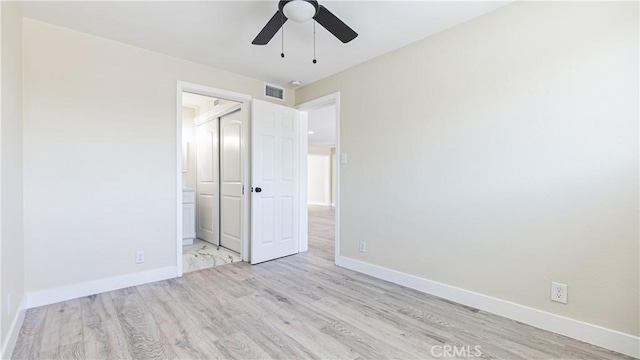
{"points": [[219, 33], [322, 122]]}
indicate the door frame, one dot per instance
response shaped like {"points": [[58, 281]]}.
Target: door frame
{"points": [[245, 101], [324, 101]]}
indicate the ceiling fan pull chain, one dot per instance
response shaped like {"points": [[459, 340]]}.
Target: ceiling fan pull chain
{"points": [[282, 33], [314, 43]]}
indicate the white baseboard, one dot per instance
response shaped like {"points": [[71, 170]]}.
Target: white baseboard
{"points": [[593, 334], [63, 293], [14, 331]]}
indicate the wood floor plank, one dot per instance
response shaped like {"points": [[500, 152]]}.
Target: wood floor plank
{"points": [[240, 346], [74, 351], [208, 318], [103, 336], [389, 330], [310, 335], [63, 325], [216, 298], [233, 287], [186, 338], [30, 338], [143, 335], [274, 343], [363, 344]]}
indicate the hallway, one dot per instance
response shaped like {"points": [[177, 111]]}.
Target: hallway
{"points": [[321, 231]]}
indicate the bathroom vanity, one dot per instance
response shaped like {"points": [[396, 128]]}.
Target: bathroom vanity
{"points": [[188, 216]]}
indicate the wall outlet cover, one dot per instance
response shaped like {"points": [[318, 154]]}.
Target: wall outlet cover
{"points": [[559, 292]]}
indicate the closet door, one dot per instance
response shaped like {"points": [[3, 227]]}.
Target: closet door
{"points": [[231, 158], [208, 221]]}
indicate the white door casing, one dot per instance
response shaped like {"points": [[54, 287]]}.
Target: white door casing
{"points": [[231, 175], [207, 175], [275, 181]]}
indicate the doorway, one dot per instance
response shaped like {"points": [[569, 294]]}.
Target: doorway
{"points": [[213, 223], [276, 224], [213, 173], [323, 175]]}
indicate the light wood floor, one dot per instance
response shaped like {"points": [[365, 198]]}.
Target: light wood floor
{"points": [[297, 307]]}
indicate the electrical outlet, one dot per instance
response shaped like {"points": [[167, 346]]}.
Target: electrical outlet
{"points": [[343, 158], [559, 292], [363, 246], [139, 257]]}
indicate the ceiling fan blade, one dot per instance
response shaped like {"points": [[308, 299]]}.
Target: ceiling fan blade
{"points": [[335, 26], [270, 30]]}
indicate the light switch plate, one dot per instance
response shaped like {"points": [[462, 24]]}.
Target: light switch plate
{"points": [[343, 158]]}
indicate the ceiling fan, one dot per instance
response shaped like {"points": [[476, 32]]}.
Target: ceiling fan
{"points": [[302, 11]]}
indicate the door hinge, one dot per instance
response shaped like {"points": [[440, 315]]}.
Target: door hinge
{"points": [[242, 189]]}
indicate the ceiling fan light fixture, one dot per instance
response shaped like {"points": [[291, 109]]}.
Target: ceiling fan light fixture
{"points": [[299, 10]]}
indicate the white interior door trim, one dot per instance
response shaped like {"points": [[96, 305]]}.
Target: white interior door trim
{"points": [[327, 100], [304, 215], [245, 101]]}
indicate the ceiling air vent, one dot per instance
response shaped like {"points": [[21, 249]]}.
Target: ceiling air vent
{"points": [[273, 92]]}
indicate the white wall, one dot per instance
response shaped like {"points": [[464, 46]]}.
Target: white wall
{"points": [[323, 122], [316, 176], [189, 135], [11, 189], [319, 179], [502, 155], [100, 155]]}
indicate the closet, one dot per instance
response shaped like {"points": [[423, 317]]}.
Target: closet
{"points": [[219, 187]]}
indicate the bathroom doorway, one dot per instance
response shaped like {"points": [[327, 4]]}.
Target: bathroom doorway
{"points": [[213, 156]]}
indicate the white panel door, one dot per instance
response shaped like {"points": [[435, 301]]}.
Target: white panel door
{"points": [[275, 180], [231, 181], [207, 192]]}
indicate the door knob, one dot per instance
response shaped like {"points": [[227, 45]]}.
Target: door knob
{"points": [[258, 189]]}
